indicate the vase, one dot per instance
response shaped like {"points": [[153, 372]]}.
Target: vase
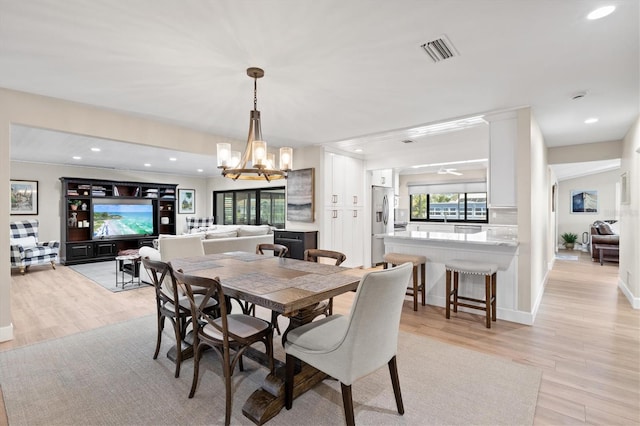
{"points": [[74, 207]]}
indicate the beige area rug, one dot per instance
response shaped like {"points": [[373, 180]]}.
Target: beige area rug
{"points": [[108, 377]]}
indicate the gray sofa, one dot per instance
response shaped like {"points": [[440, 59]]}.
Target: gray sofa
{"points": [[603, 233]]}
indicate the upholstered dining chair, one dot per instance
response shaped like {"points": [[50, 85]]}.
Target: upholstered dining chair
{"points": [[172, 248], [223, 333], [172, 305], [350, 347], [312, 255]]}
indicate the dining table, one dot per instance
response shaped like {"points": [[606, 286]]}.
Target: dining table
{"points": [[291, 287]]}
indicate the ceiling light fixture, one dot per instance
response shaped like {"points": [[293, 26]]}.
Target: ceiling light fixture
{"points": [[591, 120], [447, 126], [449, 163], [601, 12], [262, 163], [173, 159], [449, 171], [95, 149], [77, 157]]}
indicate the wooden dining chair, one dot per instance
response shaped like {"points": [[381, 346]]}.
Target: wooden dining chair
{"points": [[350, 347], [280, 251], [172, 305], [223, 333], [312, 255]]}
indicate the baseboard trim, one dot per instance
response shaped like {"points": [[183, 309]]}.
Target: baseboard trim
{"points": [[633, 301], [6, 333]]}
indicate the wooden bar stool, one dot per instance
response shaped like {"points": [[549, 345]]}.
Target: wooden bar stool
{"points": [[489, 270], [395, 259]]}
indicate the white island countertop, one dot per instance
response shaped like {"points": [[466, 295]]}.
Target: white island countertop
{"points": [[483, 237]]}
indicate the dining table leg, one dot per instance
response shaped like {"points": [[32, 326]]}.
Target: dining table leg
{"points": [[266, 402]]}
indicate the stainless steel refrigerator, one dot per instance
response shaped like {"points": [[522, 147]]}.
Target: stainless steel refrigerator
{"points": [[382, 220]]}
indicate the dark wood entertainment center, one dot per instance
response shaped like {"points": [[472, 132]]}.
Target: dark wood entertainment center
{"points": [[79, 198]]}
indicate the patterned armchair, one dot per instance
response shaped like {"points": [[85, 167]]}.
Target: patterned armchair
{"points": [[25, 248]]}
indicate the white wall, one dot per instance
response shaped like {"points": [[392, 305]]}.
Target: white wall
{"points": [[605, 183], [629, 268], [538, 223]]}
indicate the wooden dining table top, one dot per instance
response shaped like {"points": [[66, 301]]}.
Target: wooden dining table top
{"points": [[280, 284]]}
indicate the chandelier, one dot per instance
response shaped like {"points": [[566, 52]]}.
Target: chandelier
{"points": [[255, 163]]}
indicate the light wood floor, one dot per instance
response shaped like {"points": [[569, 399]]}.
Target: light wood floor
{"points": [[586, 337]]}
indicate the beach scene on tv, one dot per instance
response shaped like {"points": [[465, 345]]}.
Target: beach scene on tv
{"points": [[110, 220]]}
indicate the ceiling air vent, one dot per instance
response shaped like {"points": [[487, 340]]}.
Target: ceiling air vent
{"points": [[440, 49]]}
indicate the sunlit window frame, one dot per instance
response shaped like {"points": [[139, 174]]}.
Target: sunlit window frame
{"points": [[445, 209]]}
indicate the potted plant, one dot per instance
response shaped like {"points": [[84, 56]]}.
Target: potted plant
{"points": [[569, 239], [74, 204]]}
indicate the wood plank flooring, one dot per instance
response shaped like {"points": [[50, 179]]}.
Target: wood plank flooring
{"points": [[586, 337]]}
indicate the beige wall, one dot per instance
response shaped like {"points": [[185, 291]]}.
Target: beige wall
{"points": [[50, 113], [49, 188], [629, 278], [585, 152]]}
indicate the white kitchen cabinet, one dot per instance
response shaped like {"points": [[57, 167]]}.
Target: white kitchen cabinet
{"points": [[343, 221], [502, 160], [343, 181], [343, 229], [383, 177]]}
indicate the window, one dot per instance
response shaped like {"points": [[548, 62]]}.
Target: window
{"points": [[451, 206], [250, 207]]}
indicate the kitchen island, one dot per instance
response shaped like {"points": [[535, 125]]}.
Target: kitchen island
{"points": [[489, 246]]}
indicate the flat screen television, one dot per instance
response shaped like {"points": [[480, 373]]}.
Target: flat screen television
{"points": [[113, 218]]}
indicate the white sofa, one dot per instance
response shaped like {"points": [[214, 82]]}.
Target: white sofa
{"points": [[220, 239]]}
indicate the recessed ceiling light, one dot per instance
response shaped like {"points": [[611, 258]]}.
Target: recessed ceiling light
{"points": [[357, 150], [601, 12], [95, 149], [77, 157], [173, 159], [480, 160], [147, 165], [591, 120], [200, 170]]}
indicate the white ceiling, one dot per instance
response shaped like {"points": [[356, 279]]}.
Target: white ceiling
{"points": [[334, 71]]}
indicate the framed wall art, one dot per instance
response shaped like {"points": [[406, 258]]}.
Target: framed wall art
{"points": [[186, 201], [300, 195], [584, 201], [24, 197]]}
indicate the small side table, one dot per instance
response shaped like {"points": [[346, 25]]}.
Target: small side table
{"points": [[611, 248], [128, 264]]}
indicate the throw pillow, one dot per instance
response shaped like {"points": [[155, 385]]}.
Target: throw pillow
{"points": [[25, 242], [221, 234], [605, 229], [250, 231]]}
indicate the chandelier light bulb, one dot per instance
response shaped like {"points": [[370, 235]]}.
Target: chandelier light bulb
{"points": [[223, 151], [259, 152]]}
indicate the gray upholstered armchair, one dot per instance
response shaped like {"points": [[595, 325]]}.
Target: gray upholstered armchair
{"points": [[26, 250], [350, 347]]}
